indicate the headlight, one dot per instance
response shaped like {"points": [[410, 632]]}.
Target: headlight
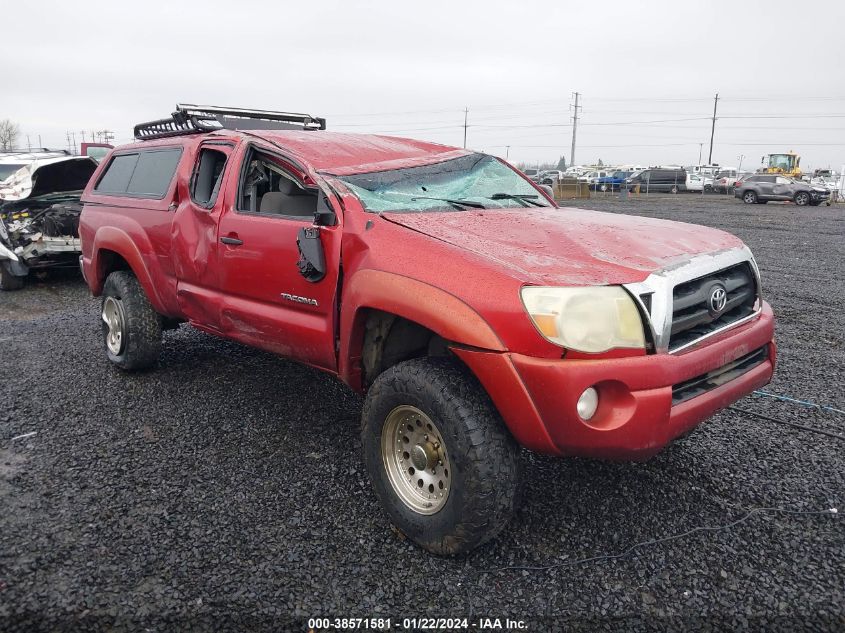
{"points": [[589, 320]]}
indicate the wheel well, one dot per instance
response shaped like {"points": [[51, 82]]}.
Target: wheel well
{"points": [[110, 261], [390, 339]]}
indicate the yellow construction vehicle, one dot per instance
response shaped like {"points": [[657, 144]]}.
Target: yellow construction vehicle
{"points": [[787, 164]]}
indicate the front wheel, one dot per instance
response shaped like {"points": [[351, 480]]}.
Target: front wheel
{"points": [[131, 327], [802, 198], [441, 461], [749, 197]]}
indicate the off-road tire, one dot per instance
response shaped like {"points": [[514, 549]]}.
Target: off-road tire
{"points": [[142, 325], [8, 281], [750, 197], [802, 198], [483, 455]]}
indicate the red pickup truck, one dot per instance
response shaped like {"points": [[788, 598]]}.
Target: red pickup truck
{"points": [[475, 314]]}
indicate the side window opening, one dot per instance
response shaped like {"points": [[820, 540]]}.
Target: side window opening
{"points": [[208, 177], [267, 189]]}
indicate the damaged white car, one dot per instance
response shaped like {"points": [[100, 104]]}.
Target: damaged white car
{"points": [[39, 212]]}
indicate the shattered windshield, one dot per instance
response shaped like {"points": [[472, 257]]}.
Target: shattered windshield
{"points": [[475, 181]]}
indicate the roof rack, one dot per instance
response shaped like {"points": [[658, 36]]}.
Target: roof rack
{"points": [[195, 119]]}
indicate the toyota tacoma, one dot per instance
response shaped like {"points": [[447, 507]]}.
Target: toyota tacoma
{"points": [[475, 315]]}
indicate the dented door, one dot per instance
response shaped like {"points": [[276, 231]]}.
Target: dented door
{"points": [[266, 301], [194, 237]]}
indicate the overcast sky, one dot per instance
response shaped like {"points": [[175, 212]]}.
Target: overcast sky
{"points": [[647, 72]]}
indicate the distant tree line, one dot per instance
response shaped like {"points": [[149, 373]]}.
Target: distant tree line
{"points": [[561, 165]]}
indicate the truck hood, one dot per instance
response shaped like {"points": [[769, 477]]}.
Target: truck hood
{"points": [[569, 246], [39, 177]]}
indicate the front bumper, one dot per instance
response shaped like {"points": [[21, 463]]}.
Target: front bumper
{"points": [[636, 417]]}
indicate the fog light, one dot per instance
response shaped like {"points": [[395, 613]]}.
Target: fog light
{"points": [[588, 403]]}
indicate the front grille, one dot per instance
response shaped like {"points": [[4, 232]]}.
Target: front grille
{"points": [[693, 387], [692, 315]]}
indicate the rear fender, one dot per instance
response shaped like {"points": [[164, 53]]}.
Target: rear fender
{"points": [[109, 238], [433, 308]]}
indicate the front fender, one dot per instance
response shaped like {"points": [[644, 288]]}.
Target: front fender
{"points": [[431, 307], [109, 238]]}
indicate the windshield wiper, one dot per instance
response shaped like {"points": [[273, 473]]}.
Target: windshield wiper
{"points": [[453, 201], [521, 197]]}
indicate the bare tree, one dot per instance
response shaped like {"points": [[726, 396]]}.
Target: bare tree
{"points": [[9, 132]]}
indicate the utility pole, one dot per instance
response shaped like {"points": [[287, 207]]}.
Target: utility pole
{"points": [[713, 130], [39, 142], [574, 129], [700, 147], [466, 116], [69, 146], [73, 147], [507, 151], [28, 144]]}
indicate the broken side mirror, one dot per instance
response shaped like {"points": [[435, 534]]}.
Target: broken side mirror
{"points": [[325, 215], [312, 260]]}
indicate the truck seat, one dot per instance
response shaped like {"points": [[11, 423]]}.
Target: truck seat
{"points": [[289, 200]]}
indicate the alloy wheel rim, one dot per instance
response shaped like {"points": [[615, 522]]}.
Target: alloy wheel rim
{"points": [[416, 460], [113, 318]]}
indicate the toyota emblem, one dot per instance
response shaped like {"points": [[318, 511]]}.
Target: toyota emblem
{"points": [[718, 299]]}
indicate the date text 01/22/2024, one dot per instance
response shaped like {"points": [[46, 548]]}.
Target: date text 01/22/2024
{"points": [[415, 624]]}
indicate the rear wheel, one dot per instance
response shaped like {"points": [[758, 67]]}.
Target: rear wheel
{"points": [[8, 281], [442, 463], [749, 197], [802, 198], [131, 327], [674, 189]]}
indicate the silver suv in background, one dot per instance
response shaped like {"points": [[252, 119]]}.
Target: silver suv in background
{"points": [[762, 188]]}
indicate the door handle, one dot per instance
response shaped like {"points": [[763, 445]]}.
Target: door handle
{"points": [[231, 241]]}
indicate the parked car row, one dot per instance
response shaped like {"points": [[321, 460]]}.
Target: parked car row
{"points": [[750, 187]]}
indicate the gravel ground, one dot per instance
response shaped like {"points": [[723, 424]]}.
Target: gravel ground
{"points": [[225, 490]]}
